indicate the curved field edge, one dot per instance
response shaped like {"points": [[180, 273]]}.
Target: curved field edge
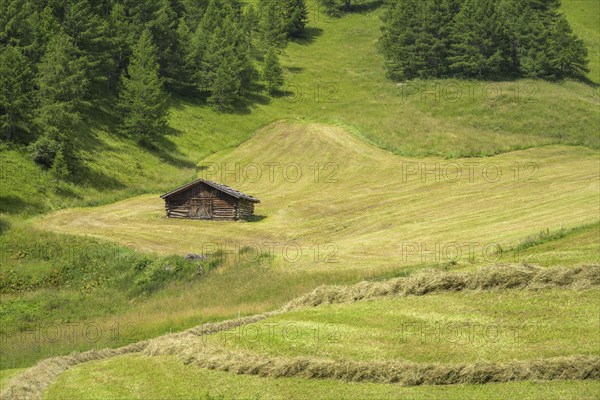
{"points": [[33, 382], [166, 377], [442, 328]]}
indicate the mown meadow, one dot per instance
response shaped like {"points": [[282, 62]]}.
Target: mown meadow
{"points": [[92, 262]]}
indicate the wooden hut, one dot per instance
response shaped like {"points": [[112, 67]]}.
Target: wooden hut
{"points": [[204, 199]]}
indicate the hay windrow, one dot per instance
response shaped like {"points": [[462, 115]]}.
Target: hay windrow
{"points": [[32, 383], [432, 281], [206, 355]]}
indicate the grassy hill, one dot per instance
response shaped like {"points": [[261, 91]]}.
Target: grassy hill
{"points": [[379, 197], [334, 75], [328, 187]]}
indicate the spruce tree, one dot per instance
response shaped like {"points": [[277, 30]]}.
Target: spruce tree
{"points": [[296, 17], [224, 66], [60, 169], [399, 42], [479, 47], [142, 99], [16, 93], [272, 73], [89, 32], [202, 60], [164, 29], [185, 55], [566, 52], [273, 24], [62, 86]]}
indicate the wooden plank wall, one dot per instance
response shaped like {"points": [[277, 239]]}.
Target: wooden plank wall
{"points": [[224, 206]]}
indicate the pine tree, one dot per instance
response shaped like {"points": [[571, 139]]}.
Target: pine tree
{"points": [[143, 100], [185, 56], [272, 73], [16, 93], [60, 169], [296, 17], [478, 45], [62, 86], [224, 65], [399, 42], [193, 11], [164, 29], [121, 42], [45, 27], [202, 60], [273, 24], [89, 32], [566, 52]]}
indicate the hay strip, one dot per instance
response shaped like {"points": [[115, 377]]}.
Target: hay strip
{"points": [[33, 382]]}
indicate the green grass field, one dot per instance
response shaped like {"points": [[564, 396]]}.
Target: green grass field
{"points": [[443, 328], [162, 377], [394, 178]]}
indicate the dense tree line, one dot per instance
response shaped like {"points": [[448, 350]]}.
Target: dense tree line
{"points": [[59, 57], [480, 39]]}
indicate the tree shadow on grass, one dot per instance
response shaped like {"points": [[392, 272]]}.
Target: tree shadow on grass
{"points": [[83, 175], [308, 36], [16, 205], [365, 6], [4, 225], [163, 148]]}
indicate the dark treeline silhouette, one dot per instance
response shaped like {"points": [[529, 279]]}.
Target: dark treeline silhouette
{"points": [[58, 57], [488, 39]]}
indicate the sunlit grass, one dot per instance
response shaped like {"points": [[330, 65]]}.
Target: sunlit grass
{"points": [[166, 377], [444, 328]]}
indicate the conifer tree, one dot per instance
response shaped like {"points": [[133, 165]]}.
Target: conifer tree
{"points": [[89, 32], [272, 73], [62, 86], [402, 25], [121, 42], [273, 24], [478, 46], [142, 99], [164, 29], [60, 169], [566, 52], [296, 17], [185, 56], [202, 60], [16, 93]]}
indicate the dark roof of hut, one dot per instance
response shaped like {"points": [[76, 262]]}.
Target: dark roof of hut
{"points": [[218, 186]]}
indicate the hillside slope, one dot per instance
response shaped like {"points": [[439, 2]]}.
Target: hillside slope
{"points": [[334, 75], [368, 204]]}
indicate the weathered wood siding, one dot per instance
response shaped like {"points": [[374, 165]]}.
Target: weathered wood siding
{"points": [[206, 202]]}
